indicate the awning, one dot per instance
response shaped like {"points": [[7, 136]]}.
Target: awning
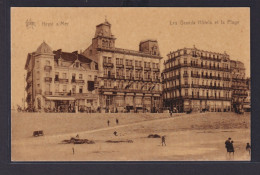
{"points": [[247, 106], [60, 98]]}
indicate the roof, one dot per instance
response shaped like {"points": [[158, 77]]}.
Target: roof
{"points": [[71, 56], [104, 23], [44, 48]]}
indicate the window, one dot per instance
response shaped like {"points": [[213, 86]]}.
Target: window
{"points": [[109, 59], [56, 76], [74, 89], [56, 87], [186, 92], [64, 88], [186, 81], [80, 76], [81, 89], [64, 75], [185, 60], [73, 77], [104, 59], [47, 62]]}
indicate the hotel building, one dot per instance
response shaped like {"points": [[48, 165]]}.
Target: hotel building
{"points": [[197, 80], [60, 81], [128, 80], [239, 85]]}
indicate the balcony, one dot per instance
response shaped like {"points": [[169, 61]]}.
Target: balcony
{"points": [[63, 80], [195, 75], [119, 66], [147, 69], [80, 81], [96, 84], [47, 79], [47, 68], [47, 93], [185, 86], [108, 65], [138, 68], [138, 78], [185, 75], [129, 67], [156, 69], [147, 79], [195, 85], [129, 78], [122, 77], [109, 76]]}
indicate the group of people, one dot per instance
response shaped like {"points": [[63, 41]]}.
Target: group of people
{"points": [[108, 122], [230, 147]]}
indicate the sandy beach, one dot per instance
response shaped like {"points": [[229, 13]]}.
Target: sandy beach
{"points": [[197, 136]]}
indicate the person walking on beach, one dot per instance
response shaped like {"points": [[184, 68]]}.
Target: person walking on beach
{"points": [[231, 148], [163, 141], [171, 113], [108, 122], [117, 121], [73, 150], [227, 143], [248, 148]]}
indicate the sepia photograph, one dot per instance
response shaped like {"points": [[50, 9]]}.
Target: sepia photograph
{"points": [[130, 84]]}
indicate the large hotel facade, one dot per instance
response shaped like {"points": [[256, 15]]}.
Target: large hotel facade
{"points": [[102, 78], [197, 80]]}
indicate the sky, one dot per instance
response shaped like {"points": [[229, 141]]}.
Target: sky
{"points": [[70, 29]]}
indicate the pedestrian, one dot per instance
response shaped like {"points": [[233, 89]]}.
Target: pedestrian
{"points": [[248, 148], [231, 148], [115, 133], [73, 150], [171, 113], [163, 140], [227, 144], [108, 122], [117, 121]]}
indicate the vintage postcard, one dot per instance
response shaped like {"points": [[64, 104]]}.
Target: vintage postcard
{"points": [[130, 84]]}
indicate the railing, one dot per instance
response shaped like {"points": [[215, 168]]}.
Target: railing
{"points": [[195, 75], [119, 65], [130, 90], [138, 78], [185, 75], [108, 64], [147, 79], [109, 76], [147, 69], [129, 67], [63, 80], [156, 69], [79, 81], [138, 68]]}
